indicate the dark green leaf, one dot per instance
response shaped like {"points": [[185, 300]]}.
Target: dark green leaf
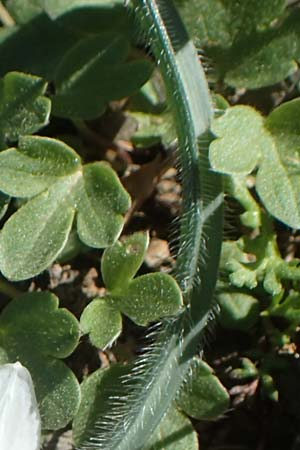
{"points": [[36, 47], [175, 432], [149, 298], [203, 396], [36, 332], [96, 393], [93, 73], [250, 43]]}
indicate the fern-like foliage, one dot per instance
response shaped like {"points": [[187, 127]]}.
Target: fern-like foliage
{"points": [[157, 376]]}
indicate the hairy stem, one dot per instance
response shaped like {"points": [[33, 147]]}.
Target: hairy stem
{"points": [[160, 372]]}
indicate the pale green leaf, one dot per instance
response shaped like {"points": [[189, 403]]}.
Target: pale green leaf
{"points": [[277, 181], [239, 145], [121, 261], [35, 235], [24, 10], [35, 165], [239, 311], [23, 108], [102, 321], [245, 140]]}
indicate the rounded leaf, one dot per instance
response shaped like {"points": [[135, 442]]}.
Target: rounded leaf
{"points": [[239, 311], [102, 321], [203, 396], [150, 297]]}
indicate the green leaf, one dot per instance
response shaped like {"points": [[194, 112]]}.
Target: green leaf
{"points": [[96, 393], [273, 145], [175, 432], [102, 322], [239, 311], [35, 235], [203, 396], [219, 23], [23, 108], [24, 10], [121, 261], [38, 163], [277, 181], [49, 40], [149, 298], [289, 308], [93, 18], [93, 73], [225, 29], [232, 152], [35, 331]]}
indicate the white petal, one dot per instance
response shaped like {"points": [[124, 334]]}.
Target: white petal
{"points": [[20, 423]]}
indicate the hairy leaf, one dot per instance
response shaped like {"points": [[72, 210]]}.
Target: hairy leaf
{"points": [[36, 332], [273, 145], [102, 321], [149, 297], [175, 432], [226, 29], [96, 391], [23, 108], [34, 236], [121, 261], [203, 396]]}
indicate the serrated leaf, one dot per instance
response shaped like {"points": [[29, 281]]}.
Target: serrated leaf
{"points": [[93, 73], [96, 393], [23, 108], [102, 322], [149, 297], [175, 432], [239, 311], [37, 333], [35, 235], [203, 396], [121, 261]]}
